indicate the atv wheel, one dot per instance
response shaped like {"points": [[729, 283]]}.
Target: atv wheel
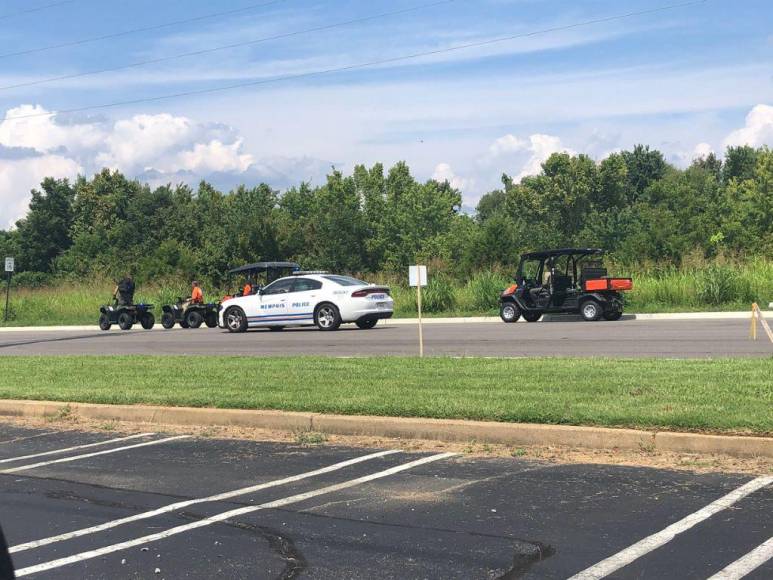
{"points": [[148, 320], [367, 324], [590, 310], [532, 316], [125, 321], [327, 317], [615, 315], [211, 319], [194, 318], [184, 322], [167, 320], [509, 312], [235, 319], [104, 322]]}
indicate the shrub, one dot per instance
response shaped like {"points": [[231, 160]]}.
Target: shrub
{"points": [[30, 280], [721, 284], [438, 295], [484, 288]]}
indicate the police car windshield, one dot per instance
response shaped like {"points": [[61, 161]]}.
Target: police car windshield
{"points": [[346, 281]]}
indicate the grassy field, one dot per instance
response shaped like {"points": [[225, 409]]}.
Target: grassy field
{"points": [[731, 395], [700, 287]]}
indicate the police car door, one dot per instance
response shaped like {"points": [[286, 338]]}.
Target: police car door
{"points": [[274, 306], [303, 299]]}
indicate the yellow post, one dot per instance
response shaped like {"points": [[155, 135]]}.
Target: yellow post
{"points": [[418, 303], [753, 329]]}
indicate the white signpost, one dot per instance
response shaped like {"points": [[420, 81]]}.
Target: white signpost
{"points": [[417, 276], [9, 267]]}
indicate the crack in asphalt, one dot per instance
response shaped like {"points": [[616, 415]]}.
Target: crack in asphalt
{"points": [[45, 340]]}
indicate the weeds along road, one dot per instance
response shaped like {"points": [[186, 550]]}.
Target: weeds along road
{"points": [[625, 338]]}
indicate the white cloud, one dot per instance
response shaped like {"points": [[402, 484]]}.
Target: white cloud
{"points": [[19, 176], [444, 172], [758, 130], [160, 148], [523, 157], [702, 150]]}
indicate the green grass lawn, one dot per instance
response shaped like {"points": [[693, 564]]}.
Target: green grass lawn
{"points": [[728, 395]]}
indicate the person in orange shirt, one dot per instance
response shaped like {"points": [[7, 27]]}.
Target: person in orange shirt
{"points": [[247, 290], [197, 296]]}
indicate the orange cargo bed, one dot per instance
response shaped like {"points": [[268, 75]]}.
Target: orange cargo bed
{"points": [[616, 284]]}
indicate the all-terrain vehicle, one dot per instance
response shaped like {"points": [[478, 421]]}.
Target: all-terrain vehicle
{"points": [[568, 280], [190, 316], [126, 316]]}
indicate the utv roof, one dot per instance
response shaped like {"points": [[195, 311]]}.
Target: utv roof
{"points": [[264, 266], [560, 252]]}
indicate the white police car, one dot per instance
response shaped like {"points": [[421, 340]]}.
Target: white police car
{"points": [[306, 299]]}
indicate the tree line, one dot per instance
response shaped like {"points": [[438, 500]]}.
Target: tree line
{"points": [[633, 203]]}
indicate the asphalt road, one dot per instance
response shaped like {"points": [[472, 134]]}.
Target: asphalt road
{"points": [[431, 516], [625, 338]]}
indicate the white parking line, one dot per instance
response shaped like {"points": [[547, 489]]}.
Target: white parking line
{"points": [[658, 539], [747, 564], [225, 516], [183, 504], [86, 455], [66, 449]]}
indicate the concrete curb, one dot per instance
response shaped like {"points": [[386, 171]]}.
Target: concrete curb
{"points": [[454, 320], [406, 428]]}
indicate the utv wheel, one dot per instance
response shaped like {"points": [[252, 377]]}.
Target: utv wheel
{"points": [[167, 320], [194, 318], [509, 312], [590, 310], [148, 321], [532, 316], [235, 319], [616, 315], [367, 324], [211, 319], [104, 322], [327, 317], [125, 321]]}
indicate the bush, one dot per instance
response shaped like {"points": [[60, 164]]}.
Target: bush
{"points": [[30, 280], [438, 295], [484, 288], [717, 285]]}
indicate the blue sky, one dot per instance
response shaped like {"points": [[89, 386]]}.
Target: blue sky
{"points": [[687, 81]]}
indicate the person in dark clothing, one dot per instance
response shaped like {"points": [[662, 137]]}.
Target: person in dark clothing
{"points": [[124, 291], [6, 567]]}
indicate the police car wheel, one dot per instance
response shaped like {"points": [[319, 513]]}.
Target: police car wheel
{"points": [[104, 322], [235, 319], [327, 317], [367, 324], [276, 328]]}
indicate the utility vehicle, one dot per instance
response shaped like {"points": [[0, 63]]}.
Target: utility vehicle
{"points": [[567, 280]]}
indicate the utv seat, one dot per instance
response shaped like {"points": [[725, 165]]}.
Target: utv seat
{"points": [[592, 272]]}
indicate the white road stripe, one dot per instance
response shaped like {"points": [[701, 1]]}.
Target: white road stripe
{"points": [[86, 455], [225, 516], [183, 504], [658, 539], [66, 449], [747, 564]]}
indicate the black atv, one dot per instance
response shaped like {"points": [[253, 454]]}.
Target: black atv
{"points": [[126, 316], [569, 280], [192, 316]]}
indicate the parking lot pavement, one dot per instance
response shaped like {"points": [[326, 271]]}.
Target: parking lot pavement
{"points": [[624, 338], [205, 508]]}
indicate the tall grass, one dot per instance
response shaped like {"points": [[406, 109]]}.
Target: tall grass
{"points": [[699, 286]]}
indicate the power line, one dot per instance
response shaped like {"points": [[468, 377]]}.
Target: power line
{"points": [[134, 30], [35, 9], [226, 46], [361, 65]]}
